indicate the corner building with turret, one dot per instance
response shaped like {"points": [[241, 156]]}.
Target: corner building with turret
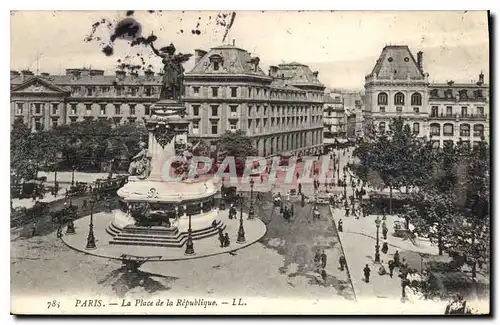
{"points": [[399, 87]]}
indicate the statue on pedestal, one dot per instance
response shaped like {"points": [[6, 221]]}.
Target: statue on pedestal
{"points": [[184, 153], [173, 72], [141, 164]]}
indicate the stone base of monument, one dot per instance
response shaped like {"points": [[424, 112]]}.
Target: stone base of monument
{"points": [[255, 229], [202, 225]]}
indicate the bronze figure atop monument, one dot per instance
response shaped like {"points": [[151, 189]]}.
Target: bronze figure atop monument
{"points": [[173, 72]]}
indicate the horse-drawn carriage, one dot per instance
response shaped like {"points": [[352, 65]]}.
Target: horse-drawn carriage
{"points": [[132, 263]]}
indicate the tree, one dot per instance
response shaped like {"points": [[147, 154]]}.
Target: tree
{"points": [[238, 145], [391, 158]]}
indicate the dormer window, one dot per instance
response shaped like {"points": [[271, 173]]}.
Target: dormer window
{"points": [[448, 93], [463, 94], [216, 61], [478, 93], [434, 93]]}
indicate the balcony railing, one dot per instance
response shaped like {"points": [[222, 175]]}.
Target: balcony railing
{"points": [[459, 116]]}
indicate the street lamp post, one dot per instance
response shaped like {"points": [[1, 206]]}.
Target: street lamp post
{"points": [[345, 186], [73, 175], [251, 212], [90, 238], [377, 246], [189, 242], [241, 232]]}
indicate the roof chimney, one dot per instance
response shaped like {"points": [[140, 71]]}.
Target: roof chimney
{"points": [[420, 60], [481, 78], [273, 71], [198, 54]]}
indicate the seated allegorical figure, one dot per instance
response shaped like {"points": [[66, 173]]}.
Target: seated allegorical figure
{"points": [[140, 165]]}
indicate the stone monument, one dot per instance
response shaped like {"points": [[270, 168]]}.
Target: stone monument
{"points": [[160, 205]]}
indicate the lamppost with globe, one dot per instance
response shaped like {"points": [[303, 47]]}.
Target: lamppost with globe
{"points": [[189, 241], [251, 212], [241, 231], [377, 246], [91, 238]]}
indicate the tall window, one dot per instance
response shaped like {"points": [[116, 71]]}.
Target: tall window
{"points": [[434, 111], [88, 109], [478, 130], [147, 91], [449, 110], [147, 110], [215, 110], [399, 99], [38, 108], [73, 108], [118, 110], [416, 128], [196, 90], [216, 65], [55, 108], [196, 110], [20, 107], [382, 99], [133, 91], [464, 111], [132, 109], [215, 91], [480, 111], [448, 129], [234, 91], [214, 128], [416, 99], [196, 127], [464, 130], [103, 109], [90, 91], [119, 91], [435, 129]]}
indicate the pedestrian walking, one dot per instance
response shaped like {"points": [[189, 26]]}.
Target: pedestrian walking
{"points": [[297, 175], [391, 268], [396, 259], [385, 247], [221, 238], [342, 262], [317, 258], [384, 231], [366, 272], [341, 226], [227, 241], [323, 259], [261, 178], [300, 189]]}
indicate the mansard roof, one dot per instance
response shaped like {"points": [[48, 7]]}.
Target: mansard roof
{"points": [[397, 61]]}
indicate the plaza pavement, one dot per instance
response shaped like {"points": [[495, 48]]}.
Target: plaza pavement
{"points": [[358, 241]]}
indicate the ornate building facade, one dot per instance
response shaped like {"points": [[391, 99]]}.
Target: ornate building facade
{"points": [[226, 90], [281, 110], [334, 116], [398, 87], [44, 101]]}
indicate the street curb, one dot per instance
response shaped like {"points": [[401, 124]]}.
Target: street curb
{"points": [[343, 253]]}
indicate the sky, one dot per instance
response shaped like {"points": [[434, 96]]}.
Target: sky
{"points": [[342, 45]]}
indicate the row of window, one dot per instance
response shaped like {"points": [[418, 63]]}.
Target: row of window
{"points": [[399, 99], [449, 111], [118, 90], [37, 109], [254, 92], [462, 94], [448, 130], [399, 109], [280, 110]]}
